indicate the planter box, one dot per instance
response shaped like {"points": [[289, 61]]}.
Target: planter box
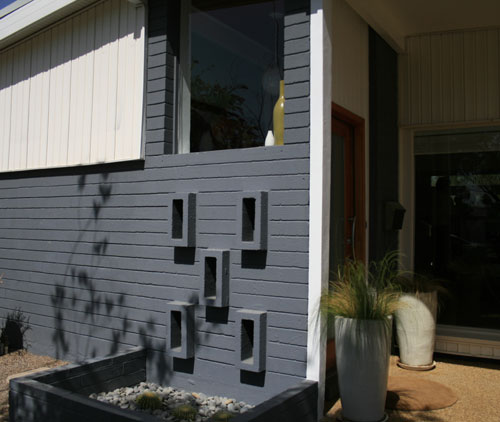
{"points": [[61, 394]]}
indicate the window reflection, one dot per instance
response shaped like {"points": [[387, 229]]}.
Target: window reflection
{"points": [[457, 225], [236, 66]]}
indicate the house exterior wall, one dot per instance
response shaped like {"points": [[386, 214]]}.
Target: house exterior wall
{"points": [[450, 77], [85, 251], [350, 60], [350, 72], [73, 93]]}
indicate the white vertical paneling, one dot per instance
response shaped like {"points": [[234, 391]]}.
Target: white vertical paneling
{"points": [[447, 92], [426, 78], [414, 79], [62, 156], [493, 74], [114, 27], [19, 107], [481, 67], [77, 88], [403, 92], [26, 86], [55, 94], [451, 77], [458, 78], [88, 100], [138, 81], [35, 103], [436, 80], [126, 53], [6, 65], [73, 94], [43, 135], [470, 76], [99, 100]]}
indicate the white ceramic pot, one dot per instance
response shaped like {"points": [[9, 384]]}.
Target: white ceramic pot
{"points": [[416, 328], [363, 349]]}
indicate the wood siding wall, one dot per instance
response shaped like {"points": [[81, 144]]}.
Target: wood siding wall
{"points": [[450, 77], [73, 94], [85, 252]]}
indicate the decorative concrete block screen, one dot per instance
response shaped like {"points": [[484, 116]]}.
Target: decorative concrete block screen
{"points": [[180, 338], [251, 335], [214, 279], [61, 394], [182, 219], [252, 220]]}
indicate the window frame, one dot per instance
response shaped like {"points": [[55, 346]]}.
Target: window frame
{"points": [[182, 90]]}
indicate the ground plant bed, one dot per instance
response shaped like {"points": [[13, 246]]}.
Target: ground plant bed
{"points": [[170, 399], [84, 392]]}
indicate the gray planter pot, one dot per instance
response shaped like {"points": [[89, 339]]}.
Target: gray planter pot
{"points": [[416, 329], [363, 351]]}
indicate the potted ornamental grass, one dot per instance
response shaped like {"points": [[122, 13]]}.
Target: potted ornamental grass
{"points": [[363, 299], [416, 321]]}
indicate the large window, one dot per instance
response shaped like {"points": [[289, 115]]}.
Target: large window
{"points": [[230, 72], [457, 224]]}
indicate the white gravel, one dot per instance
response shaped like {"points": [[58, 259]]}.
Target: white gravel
{"points": [[171, 398]]}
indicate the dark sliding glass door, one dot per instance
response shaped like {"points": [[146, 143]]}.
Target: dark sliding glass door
{"points": [[457, 221]]}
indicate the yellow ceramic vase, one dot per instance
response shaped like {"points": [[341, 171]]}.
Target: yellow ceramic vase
{"points": [[279, 116]]}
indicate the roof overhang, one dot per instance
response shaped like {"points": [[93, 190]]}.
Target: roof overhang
{"points": [[34, 16], [394, 20]]}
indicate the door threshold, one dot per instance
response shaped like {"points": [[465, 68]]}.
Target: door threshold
{"points": [[468, 341]]}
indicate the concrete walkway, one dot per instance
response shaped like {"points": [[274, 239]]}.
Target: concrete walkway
{"points": [[475, 382]]}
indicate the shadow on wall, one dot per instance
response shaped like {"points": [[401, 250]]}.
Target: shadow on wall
{"points": [[94, 316]]}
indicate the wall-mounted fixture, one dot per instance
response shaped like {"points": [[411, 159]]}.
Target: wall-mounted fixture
{"points": [[214, 278], [180, 329], [251, 220], [251, 327], [394, 215], [182, 219]]}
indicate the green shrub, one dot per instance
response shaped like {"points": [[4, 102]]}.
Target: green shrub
{"points": [[185, 411], [148, 400], [222, 416], [365, 291]]}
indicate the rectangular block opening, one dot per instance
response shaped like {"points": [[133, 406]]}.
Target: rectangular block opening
{"points": [[176, 330], [210, 277], [248, 219], [177, 218], [247, 341]]}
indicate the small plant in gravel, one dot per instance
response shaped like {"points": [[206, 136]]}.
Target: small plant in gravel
{"points": [[13, 333], [148, 400], [185, 411], [222, 416]]}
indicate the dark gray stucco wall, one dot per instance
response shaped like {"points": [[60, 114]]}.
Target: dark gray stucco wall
{"points": [[383, 142], [85, 254]]}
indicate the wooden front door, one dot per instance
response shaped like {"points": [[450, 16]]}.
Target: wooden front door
{"points": [[347, 200], [347, 206]]}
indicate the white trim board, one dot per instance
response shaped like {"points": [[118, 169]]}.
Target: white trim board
{"points": [[319, 189]]}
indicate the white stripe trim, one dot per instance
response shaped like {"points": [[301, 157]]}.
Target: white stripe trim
{"points": [[319, 193]]}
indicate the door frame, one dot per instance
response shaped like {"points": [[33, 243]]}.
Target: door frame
{"points": [[358, 124], [450, 339]]}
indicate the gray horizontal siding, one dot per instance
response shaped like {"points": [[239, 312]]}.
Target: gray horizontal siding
{"points": [[85, 254]]}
